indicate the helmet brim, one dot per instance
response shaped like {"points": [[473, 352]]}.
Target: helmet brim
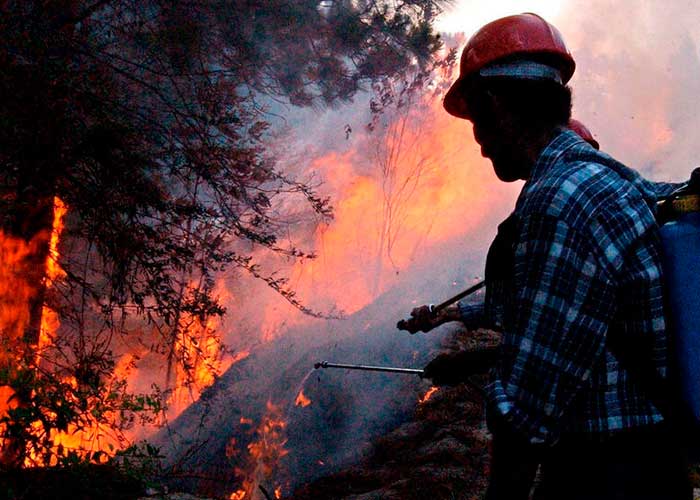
{"points": [[454, 102]]}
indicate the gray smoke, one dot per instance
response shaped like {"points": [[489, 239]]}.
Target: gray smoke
{"points": [[637, 80]]}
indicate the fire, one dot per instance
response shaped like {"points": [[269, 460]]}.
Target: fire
{"points": [[54, 272], [198, 342], [196, 361], [264, 453], [17, 293], [201, 350], [302, 400], [398, 193], [53, 268], [80, 439], [424, 175], [429, 394], [423, 184], [270, 447], [197, 358]]}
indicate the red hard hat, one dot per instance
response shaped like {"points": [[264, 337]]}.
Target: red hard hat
{"points": [[519, 35], [583, 131]]}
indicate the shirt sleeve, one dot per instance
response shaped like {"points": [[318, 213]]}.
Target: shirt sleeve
{"points": [[563, 302], [472, 314], [664, 189]]}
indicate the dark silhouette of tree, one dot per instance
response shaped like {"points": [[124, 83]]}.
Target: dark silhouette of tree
{"points": [[147, 119]]}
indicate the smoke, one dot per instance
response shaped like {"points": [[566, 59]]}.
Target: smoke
{"points": [[637, 80]]}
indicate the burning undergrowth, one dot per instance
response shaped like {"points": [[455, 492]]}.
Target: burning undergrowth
{"points": [[273, 420], [231, 391], [440, 452]]}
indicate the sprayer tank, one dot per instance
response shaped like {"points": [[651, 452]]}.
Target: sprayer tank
{"points": [[681, 265]]}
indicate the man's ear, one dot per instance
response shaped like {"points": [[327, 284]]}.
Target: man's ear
{"points": [[496, 103], [500, 112]]}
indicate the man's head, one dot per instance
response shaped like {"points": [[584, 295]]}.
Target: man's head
{"points": [[583, 132], [512, 87]]}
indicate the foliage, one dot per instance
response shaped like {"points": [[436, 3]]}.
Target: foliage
{"points": [[142, 462], [56, 407], [148, 120]]}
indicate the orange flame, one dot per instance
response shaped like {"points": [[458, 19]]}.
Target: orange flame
{"points": [[15, 293], [201, 357], [54, 272], [424, 184], [429, 394], [302, 400], [80, 439], [263, 454], [14, 313], [270, 447]]}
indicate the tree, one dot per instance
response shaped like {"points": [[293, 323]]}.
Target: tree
{"points": [[147, 120], [399, 112]]}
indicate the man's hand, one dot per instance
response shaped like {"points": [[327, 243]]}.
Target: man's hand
{"points": [[456, 367], [424, 319]]}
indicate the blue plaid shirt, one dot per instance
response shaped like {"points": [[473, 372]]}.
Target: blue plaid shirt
{"points": [[586, 267]]}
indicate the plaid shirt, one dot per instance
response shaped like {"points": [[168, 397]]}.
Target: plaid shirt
{"points": [[586, 267]]}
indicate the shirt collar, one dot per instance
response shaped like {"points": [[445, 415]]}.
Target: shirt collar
{"points": [[562, 142]]}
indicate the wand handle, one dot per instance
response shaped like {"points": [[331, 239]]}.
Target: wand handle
{"points": [[389, 369], [459, 296]]}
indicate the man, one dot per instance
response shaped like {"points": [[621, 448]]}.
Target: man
{"points": [[583, 131], [573, 283]]}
